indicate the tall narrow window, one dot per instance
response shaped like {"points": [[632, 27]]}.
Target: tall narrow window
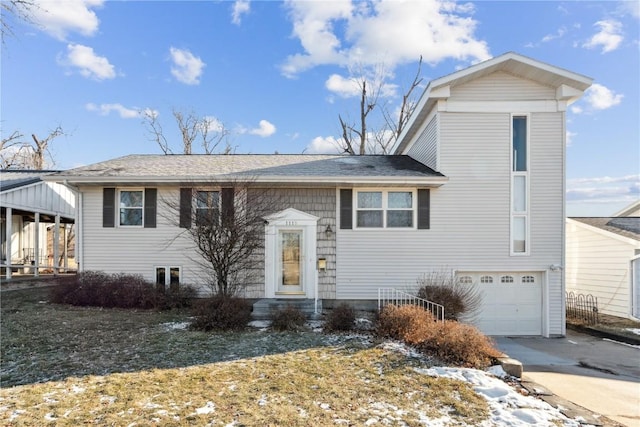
{"points": [[519, 185], [519, 143], [131, 207]]}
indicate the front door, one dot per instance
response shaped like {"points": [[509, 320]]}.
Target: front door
{"points": [[290, 262]]}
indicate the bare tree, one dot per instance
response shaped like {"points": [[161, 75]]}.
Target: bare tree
{"points": [[225, 222], [20, 9], [17, 153], [209, 131], [354, 137], [364, 139]]}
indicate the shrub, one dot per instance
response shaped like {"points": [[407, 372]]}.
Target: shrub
{"points": [[288, 318], [341, 318], [222, 313], [178, 297], [98, 289], [449, 341], [408, 323], [459, 299], [459, 344]]}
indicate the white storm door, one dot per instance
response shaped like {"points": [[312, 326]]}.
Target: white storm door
{"points": [[290, 262]]}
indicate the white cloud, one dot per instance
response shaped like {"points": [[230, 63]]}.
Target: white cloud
{"points": [[609, 37], [604, 191], [123, 112], [187, 68], [263, 130], [61, 17], [569, 138], [559, 34], [346, 87], [323, 145], [87, 62], [240, 7], [386, 31], [600, 97]]}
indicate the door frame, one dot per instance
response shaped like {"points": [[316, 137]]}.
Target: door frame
{"points": [[290, 219]]}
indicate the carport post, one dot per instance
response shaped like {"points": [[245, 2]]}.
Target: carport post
{"points": [[8, 236], [36, 246], [56, 245]]}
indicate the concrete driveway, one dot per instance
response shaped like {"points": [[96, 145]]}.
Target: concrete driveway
{"points": [[600, 375]]}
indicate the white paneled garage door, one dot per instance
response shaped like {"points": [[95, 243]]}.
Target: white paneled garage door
{"points": [[511, 302]]}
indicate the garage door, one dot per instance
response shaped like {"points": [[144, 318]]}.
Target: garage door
{"points": [[511, 302]]}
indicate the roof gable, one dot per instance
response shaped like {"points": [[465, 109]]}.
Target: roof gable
{"points": [[566, 85]]}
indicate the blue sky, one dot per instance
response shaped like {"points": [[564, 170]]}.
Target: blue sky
{"points": [[277, 74]]}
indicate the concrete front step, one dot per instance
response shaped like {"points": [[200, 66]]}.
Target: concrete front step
{"points": [[263, 308]]}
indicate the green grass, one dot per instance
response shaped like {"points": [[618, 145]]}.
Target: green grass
{"points": [[70, 366]]}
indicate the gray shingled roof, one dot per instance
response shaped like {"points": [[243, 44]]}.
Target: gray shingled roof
{"points": [[261, 167], [623, 226]]}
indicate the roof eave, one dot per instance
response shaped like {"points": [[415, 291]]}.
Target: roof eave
{"points": [[431, 181]]}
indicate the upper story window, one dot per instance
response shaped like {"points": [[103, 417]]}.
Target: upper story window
{"points": [[207, 207], [385, 209], [519, 130], [519, 186], [131, 207]]}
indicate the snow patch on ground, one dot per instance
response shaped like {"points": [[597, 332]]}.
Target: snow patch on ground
{"points": [[508, 407], [175, 325], [634, 330]]}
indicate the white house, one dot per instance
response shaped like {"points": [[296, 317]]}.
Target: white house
{"points": [[603, 260], [476, 185], [35, 218]]}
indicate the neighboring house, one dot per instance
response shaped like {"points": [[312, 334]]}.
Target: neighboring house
{"points": [[476, 186], [35, 222], [603, 260]]}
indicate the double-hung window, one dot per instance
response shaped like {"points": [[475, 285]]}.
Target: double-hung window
{"points": [[131, 207], [519, 185], [207, 207], [385, 209]]}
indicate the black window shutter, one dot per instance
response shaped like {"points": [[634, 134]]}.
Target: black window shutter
{"points": [[186, 195], [150, 207], [108, 207], [424, 208], [346, 207], [228, 209]]}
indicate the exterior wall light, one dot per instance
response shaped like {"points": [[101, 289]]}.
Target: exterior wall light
{"points": [[322, 264], [328, 231]]}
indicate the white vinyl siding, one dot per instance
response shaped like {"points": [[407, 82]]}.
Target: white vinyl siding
{"points": [[599, 264], [139, 250], [135, 250], [501, 86], [470, 214], [425, 149]]}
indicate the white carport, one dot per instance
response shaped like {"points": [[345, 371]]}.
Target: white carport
{"points": [[34, 215]]}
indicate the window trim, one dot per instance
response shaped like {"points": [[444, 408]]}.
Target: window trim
{"points": [[385, 207], [196, 209], [167, 276], [513, 214], [142, 208]]}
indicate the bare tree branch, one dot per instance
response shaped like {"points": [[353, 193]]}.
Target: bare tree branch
{"points": [[225, 222], [208, 130], [364, 138], [17, 153], [22, 10], [154, 129]]}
